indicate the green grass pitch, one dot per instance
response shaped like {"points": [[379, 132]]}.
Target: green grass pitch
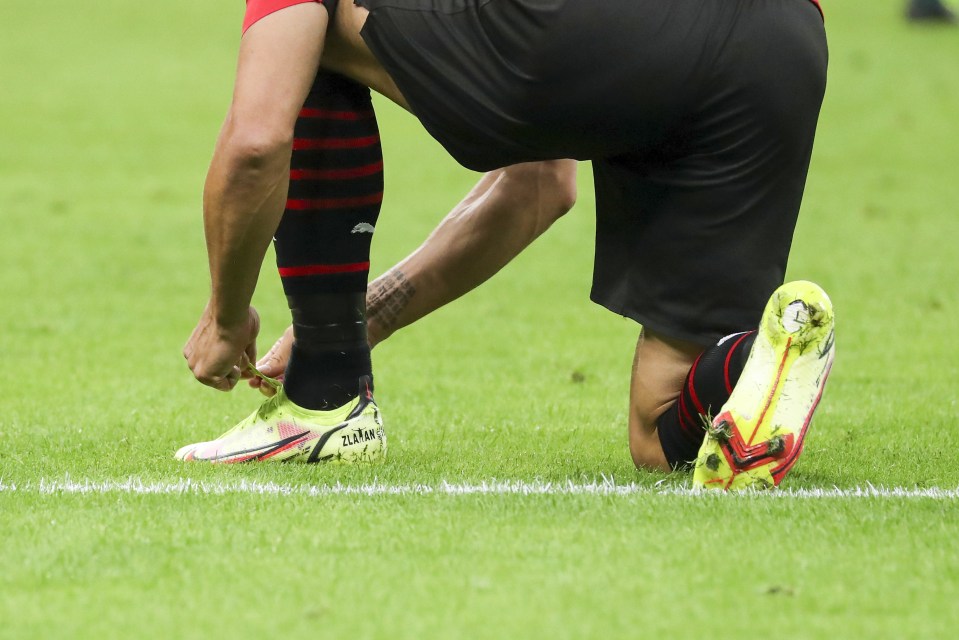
{"points": [[108, 114]]}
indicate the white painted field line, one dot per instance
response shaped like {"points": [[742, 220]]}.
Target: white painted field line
{"points": [[604, 487]]}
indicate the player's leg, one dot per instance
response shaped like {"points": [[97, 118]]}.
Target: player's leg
{"points": [[676, 388], [322, 246], [323, 241], [660, 366], [501, 216], [752, 394], [693, 237], [758, 434]]}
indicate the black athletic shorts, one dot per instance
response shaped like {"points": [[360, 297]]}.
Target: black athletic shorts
{"points": [[698, 117]]}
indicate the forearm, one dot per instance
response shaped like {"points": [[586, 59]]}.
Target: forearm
{"points": [[497, 220], [246, 185], [247, 182], [243, 201]]}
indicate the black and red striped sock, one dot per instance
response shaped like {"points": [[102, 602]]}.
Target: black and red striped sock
{"points": [[707, 388], [323, 241]]}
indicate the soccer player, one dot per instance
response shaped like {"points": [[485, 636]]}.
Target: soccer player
{"points": [[698, 118]]}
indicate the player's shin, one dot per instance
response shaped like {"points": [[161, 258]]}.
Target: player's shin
{"points": [[323, 242]]}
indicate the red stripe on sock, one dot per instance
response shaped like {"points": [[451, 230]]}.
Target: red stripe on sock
{"points": [[330, 114], [691, 385], [300, 144], [335, 203], [323, 269], [337, 174]]}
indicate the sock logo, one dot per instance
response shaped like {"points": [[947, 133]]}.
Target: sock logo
{"points": [[363, 227]]}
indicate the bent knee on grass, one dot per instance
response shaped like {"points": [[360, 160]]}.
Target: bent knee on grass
{"points": [[660, 367]]}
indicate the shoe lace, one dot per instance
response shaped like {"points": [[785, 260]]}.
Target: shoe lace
{"points": [[273, 383], [270, 405]]}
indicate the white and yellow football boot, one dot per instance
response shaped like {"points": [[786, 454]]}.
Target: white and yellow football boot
{"points": [[282, 431], [758, 434]]}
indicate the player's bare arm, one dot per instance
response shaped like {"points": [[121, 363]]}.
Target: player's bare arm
{"points": [[247, 182], [502, 215]]}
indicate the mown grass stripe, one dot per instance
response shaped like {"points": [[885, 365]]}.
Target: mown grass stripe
{"points": [[487, 487]]}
